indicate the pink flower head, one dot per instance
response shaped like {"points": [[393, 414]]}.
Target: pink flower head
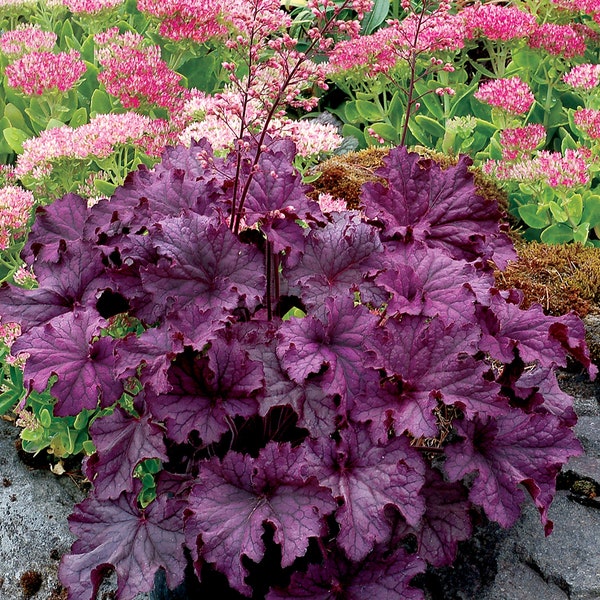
{"points": [[570, 170], [38, 72], [511, 95], [558, 40], [327, 203], [520, 140], [135, 73], [97, 139], [497, 22], [26, 38], [585, 76], [437, 32], [15, 210], [9, 332], [588, 120], [91, 7]]}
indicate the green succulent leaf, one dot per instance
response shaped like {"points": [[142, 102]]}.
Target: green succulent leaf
{"points": [[558, 233], [534, 216]]}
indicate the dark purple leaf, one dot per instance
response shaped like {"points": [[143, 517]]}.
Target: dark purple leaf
{"points": [[377, 578], [136, 543], [55, 226], [427, 282], [234, 498], [72, 282], [431, 362], [368, 478], [154, 349], [333, 339], [84, 367], [122, 441], [509, 451], [423, 202], [537, 337], [207, 266], [336, 259], [205, 392], [445, 523]]}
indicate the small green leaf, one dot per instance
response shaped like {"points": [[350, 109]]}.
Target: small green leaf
{"points": [[485, 127], [567, 143], [355, 132], [15, 116], [396, 111], [89, 447], [375, 17], [495, 149], [430, 125], [351, 112], [534, 216], [106, 188], [558, 212], [8, 400], [581, 232], [53, 124], [386, 131], [559, 233], [591, 210], [81, 421], [15, 138], [369, 111], [45, 418], [293, 312], [79, 117], [430, 99], [574, 207], [100, 103]]}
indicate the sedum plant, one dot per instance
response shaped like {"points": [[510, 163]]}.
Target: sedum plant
{"points": [[312, 405]]}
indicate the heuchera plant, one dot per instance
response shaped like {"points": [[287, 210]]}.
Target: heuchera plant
{"points": [[330, 394]]}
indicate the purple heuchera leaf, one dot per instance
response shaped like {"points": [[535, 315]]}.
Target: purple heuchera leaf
{"points": [[423, 202], [72, 282], [422, 281], [206, 391], [154, 349], [334, 338], [234, 498], [379, 577], [506, 452], [121, 441], [84, 367], [135, 542], [368, 478], [445, 523], [54, 227], [206, 266], [336, 259], [537, 337], [431, 362]]}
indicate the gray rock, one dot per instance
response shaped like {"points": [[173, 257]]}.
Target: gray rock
{"points": [[588, 432], [568, 560], [33, 530]]}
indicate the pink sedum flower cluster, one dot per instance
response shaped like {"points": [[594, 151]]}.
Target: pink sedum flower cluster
{"points": [[96, 139], [511, 95], [585, 76], [38, 72], [558, 40], [588, 120], [92, 7], [26, 38], [551, 168], [135, 72], [15, 210], [497, 22], [521, 140]]}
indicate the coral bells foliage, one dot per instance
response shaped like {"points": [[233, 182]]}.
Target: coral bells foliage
{"points": [[302, 447], [38, 72]]}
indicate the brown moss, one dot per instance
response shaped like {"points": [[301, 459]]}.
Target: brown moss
{"points": [[343, 176], [559, 277]]}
